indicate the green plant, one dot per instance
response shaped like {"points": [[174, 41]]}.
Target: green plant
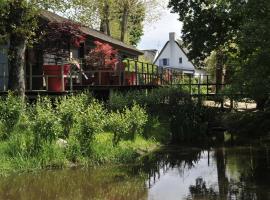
{"points": [[11, 109], [46, 125], [90, 122], [51, 155], [67, 109], [137, 118], [117, 124]]}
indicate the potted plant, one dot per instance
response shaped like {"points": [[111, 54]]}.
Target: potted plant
{"points": [[102, 58], [59, 39]]}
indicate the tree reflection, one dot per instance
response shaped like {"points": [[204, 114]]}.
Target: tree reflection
{"points": [[200, 191], [159, 163]]}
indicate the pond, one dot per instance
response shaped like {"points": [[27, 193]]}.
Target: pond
{"points": [[171, 174]]}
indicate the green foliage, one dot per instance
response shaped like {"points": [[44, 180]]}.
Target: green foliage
{"points": [[36, 137], [90, 122], [51, 156], [126, 124], [150, 99], [117, 124], [11, 109], [137, 118], [73, 151], [68, 109], [188, 124], [46, 125]]}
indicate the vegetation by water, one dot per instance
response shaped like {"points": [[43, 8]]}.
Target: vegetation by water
{"points": [[174, 173], [71, 130], [79, 130]]}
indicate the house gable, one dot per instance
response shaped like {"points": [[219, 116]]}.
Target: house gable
{"points": [[176, 56]]}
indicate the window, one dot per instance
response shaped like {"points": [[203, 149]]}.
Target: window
{"points": [[180, 60], [164, 62]]}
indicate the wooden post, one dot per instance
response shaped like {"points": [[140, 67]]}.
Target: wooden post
{"points": [[62, 78], [199, 90], [190, 89], [123, 74], [152, 72], [199, 85], [136, 71], [71, 83], [47, 82], [160, 75], [31, 77], [207, 85], [99, 77], [147, 68], [171, 76]]}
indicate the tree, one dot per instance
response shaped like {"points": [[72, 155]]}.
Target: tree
{"points": [[208, 26], [18, 23], [102, 56], [60, 37], [253, 55]]}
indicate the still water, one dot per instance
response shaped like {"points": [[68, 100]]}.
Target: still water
{"points": [[172, 174]]}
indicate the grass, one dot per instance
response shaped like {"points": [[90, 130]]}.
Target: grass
{"points": [[52, 156]]}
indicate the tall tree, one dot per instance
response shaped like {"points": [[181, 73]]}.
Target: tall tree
{"points": [[18, 24], [208, 25]]}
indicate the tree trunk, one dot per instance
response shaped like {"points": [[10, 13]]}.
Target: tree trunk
{"points": [[124, 23], [223, 183], [16, 81], [105, 22], [219, 71]]}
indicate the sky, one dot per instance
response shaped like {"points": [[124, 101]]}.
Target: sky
{"points": [[156, 35]]}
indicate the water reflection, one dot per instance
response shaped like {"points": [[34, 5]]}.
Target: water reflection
{"points": [[172, 174]]}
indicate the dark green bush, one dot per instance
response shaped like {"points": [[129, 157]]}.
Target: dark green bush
{"points": [[67, 109], [11, 108], [88, 123], [46, 124]]}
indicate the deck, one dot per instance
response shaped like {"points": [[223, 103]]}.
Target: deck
{"points": [[135, 75]]}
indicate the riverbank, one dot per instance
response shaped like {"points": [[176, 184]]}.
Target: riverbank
{"points": [[81, 131], [71, 131], [56, 156]]}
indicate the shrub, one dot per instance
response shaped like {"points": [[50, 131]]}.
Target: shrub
{"points": [[11, 109], [118, 125], [90, 122], [51, 156], [73, 151], [46, 125], [137, 118], [188, 124], [126, 124], [67, 107]]}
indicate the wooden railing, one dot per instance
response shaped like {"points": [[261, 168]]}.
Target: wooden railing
{"points": [[134, 73]]}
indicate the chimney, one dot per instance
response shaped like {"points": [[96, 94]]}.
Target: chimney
{"points": [[172, 36]]}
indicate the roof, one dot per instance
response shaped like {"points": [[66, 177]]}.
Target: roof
{"points": [[185, 51], [49, 16], [150, 54]]}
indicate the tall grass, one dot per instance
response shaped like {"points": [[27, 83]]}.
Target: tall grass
{"points": [[50, 134]]}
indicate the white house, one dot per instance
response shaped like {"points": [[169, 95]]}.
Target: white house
{"points": [[173, 55]]}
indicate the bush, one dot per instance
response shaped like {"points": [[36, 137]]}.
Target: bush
{"points": [[137, 118], [126, 124], [188, 124], [73, 151], [11, 109], [51, 156], [89, 122], [67, 107], [46, 125], [118, 125]]}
